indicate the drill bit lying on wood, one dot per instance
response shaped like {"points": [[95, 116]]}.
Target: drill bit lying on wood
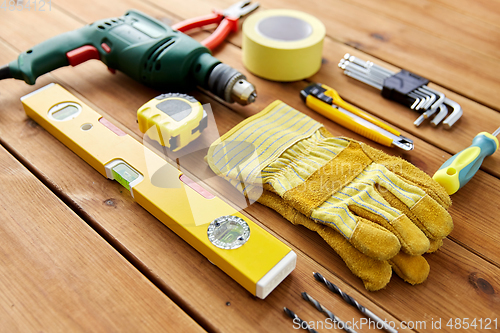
{"points": [[295, 318], [329, 314], [354, 303]]}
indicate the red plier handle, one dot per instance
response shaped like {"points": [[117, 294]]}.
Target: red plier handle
{"points": [[226, 26], [198, 22], [227, 20]]}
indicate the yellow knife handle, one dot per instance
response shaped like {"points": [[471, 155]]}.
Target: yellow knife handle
{"points": [[337, 100], [342, 119]]}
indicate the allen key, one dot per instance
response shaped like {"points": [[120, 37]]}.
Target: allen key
{"points": [[406, 88], [443, 112]]}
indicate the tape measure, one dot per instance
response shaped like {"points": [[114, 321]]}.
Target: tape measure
{"points": [[178, 118], [230, 240]]}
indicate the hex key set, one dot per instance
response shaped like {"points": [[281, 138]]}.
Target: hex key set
{"points": [[405, 88]]}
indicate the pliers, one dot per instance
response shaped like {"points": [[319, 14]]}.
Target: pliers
{"points": [[228, 19]]}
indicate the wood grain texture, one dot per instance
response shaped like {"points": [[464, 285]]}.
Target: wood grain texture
{"points": [[458, 276], [484, 10], [444, 22], [200, 288], [58, 275]]}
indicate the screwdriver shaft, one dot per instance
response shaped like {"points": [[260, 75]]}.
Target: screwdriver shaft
{"points": [[496, 132]]}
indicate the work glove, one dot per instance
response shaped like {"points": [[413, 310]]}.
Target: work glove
{"points": [[376, 211]]}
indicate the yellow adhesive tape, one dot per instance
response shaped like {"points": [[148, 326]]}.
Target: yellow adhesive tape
{"points": [[283, 44]]}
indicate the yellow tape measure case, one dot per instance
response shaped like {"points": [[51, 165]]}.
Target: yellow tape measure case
{"points": [[178, 120]]}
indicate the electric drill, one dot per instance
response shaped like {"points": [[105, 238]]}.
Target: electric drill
{"points": [[141, 47]]}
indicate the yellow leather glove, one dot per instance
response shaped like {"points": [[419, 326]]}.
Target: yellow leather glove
{"points": [[366, 204]]}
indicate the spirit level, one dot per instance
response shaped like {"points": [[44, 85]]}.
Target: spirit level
{"points": [[250, 255]]}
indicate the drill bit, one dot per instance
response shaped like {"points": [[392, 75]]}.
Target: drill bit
{"points": [[354, 303], [303, 323], [328, 313]]}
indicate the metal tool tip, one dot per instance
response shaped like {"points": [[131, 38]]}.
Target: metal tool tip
{"points": [[404, 143], [289, 312], [252, 97], [305, 295], [346, 56]]}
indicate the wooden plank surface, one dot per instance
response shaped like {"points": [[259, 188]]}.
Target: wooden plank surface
{"points": [[465, 271], [59, 275], [447, 23], [484, 10]]}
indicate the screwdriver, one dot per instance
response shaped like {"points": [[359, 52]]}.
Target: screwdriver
{"points": [[461, 167]]}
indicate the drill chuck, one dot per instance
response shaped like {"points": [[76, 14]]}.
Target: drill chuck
{"points": [[230, 85]]}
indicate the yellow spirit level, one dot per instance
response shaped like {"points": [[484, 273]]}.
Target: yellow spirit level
{"points": [[250, 255]]}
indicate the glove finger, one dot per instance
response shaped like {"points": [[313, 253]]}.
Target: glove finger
{"points": [[374, 273], [410, 174], [435, 245], [374, 240], [412, 269], [369, 238], [369, 205], [426, 213]]}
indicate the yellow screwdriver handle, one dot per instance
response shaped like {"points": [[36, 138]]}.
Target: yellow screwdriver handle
{"points": [[461, 167]]}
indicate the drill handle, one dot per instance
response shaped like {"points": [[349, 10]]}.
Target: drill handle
{"points": [[49, 55]]}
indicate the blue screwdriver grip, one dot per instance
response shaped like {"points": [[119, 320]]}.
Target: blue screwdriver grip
{"points": [[461, 167]]}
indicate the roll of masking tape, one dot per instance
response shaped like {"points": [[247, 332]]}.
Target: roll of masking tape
{"points": [[282, 44]]}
